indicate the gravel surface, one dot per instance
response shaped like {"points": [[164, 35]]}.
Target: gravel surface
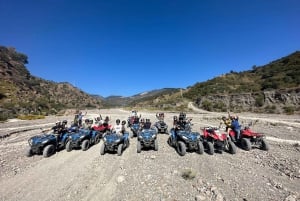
{"points": [[153, 175]]}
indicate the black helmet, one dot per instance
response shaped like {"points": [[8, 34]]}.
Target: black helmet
{"points": [[65, 122], [118, 121], [123, 122]]}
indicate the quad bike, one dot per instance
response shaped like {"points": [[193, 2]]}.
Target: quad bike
{"points": [[161, 126], [113, 142], [186, 140], [135, 127], [250, 139], [214, 140], [102, 128], [47, 144], [147, 138], [83, 139]]}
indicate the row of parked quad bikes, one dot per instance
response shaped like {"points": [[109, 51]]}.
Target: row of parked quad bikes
{"points": [[181, 137]]}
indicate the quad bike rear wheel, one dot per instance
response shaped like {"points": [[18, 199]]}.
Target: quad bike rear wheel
{"points": [[120, 149], [246, 144], [200, 148], [85, 145], [48, 150], [181, 148], [264, 145]]}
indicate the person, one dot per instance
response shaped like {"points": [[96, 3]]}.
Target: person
{"points": [[86, 124], [147, 124], [235, 126], [57, 127], [227, 122], [160, 116], [181, 124], [118, 128], [79, 118]]}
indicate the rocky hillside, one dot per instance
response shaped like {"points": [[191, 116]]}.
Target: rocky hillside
{"points": [[23, 93], [272, 88]]}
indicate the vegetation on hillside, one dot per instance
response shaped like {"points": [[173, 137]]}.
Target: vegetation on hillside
{"points": [[22, 93], [280, 74]]}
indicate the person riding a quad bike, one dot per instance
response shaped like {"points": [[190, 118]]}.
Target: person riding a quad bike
{"points": [[236, 127], [118, 128]]}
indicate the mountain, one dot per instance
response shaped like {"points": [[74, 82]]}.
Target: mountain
{"points": [[23, 93], [137, 100]]}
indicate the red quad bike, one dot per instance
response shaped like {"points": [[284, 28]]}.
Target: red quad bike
{"points": [[214, 140], [250, 139], [102, 128]]}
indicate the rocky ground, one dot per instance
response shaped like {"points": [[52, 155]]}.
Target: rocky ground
{"points": [[150, 175]]}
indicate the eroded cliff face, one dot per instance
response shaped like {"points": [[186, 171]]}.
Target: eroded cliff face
{"points": [[273, 101]]}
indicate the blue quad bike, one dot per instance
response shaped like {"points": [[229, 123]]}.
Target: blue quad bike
{"points": [[113, 142], [135, 127], [83, 139], [47, 144], [147, 138], [161, 126], [186, 140]]}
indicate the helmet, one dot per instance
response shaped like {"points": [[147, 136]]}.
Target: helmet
{"points": [[57, 123], [223, 117], [65, 122], [86, 120], [147, 120], [118, 121], [123, 122]]}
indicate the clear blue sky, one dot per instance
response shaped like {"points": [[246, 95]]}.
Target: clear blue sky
{"points": [[124, 47]]}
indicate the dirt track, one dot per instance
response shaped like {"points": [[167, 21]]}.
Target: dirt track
{"points": [[150, 175]]}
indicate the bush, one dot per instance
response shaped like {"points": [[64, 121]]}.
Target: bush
{"points": [[188, 174], [30, 117], [289, 109]]}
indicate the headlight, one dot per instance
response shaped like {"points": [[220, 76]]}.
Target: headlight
{"points": [[140, 137], [30, 142], [81, 137], [153, 136], [185, 138], [104, 139], [198, 136], [118, 140], [45, 141]]}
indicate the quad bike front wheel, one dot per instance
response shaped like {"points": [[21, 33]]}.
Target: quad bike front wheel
{"points": [[264, 145], [156, 145], [102, 149], [85, 145], [138, 146], [231, 147], [29, 152], [48, 150], [69, 146], [200, 148], [209, 148], [181, 148], [120, 149], [246, 144]]}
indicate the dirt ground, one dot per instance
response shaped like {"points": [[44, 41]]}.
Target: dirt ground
{"points": [[150, 175]]}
